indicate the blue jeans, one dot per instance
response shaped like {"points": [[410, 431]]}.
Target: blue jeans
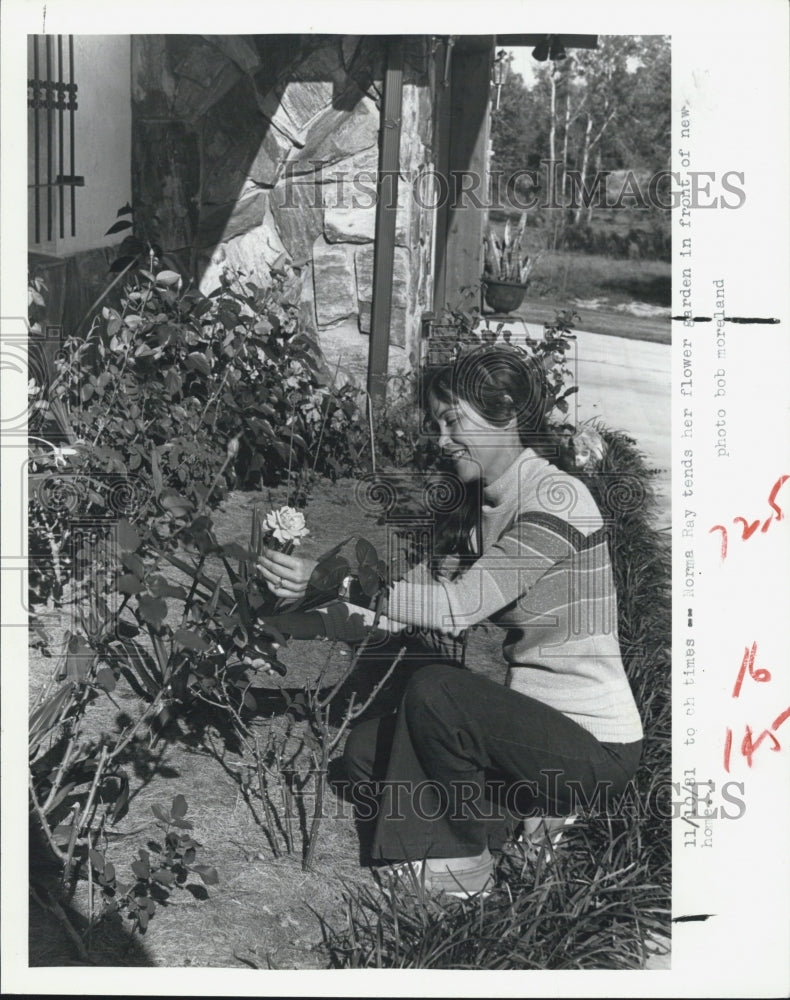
{"points": [[464, 757]]}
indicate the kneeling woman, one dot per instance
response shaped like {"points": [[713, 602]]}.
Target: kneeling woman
{"points": [[463, 751]]}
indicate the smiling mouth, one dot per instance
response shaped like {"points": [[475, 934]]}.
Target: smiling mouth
{"points": [[455, 455]]}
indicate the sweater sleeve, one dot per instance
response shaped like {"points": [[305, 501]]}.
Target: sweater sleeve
{"points": [[506, 571]]}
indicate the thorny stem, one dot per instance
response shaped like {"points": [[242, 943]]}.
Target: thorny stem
{"points": [[291, 447], [42, 819], [285, 794], [354, 712], [106, 292], [192, 589], [62, 768], [320, 774], [265, 798], [116, 389], [96, 779], [53, 547], [44, 693], [52, 905], [326, 415], [129, 735], [372, 436]]}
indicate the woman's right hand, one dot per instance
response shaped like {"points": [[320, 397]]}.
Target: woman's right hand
{"points": [[287, 576]]}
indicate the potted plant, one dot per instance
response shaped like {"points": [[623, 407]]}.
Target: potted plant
{"points": [[506, 271]]}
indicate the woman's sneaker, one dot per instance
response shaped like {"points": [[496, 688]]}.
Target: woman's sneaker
{"points": [[462, 878]]}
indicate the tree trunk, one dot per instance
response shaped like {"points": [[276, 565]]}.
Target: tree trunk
{"points": [[597, 171], [553, 150], [552, 132], [566, 129], [585, 157]]}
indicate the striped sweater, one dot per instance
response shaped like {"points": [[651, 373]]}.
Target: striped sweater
{"points": [[544, 576]]}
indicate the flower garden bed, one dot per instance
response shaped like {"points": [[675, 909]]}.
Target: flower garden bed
{"points": [[178, 755]]}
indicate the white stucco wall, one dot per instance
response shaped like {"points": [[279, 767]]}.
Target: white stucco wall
{"points": [[103, 140]]}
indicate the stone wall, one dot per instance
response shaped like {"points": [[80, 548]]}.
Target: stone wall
{"points": [[248, 148]]}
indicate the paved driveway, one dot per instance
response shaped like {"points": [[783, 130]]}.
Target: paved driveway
{"points": [[627, 384]]}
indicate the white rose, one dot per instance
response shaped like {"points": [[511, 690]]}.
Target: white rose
{"points": [[287, 525]]}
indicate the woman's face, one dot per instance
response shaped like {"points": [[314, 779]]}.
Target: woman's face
{"points": [[478, 449]]}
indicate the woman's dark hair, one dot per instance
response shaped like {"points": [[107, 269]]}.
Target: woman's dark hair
{"points": [[499, 382]]}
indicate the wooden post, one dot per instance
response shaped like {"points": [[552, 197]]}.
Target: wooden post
{"points": [[386, 212], [443, 68], [468, 168]]}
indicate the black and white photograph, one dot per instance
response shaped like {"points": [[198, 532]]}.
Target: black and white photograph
{"points": [[395, 575]]}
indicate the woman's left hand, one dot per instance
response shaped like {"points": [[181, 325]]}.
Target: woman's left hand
{"points": [[286, 575]]}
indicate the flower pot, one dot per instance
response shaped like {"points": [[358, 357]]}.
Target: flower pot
{"points": [[504, 296]]}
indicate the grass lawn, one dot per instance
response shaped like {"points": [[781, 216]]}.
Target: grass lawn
{"points": [[563, 278]]}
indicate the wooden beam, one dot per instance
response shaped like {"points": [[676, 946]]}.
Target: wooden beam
{"points": [[386, 212], [568, 41], [442, 120], [468, 166]]}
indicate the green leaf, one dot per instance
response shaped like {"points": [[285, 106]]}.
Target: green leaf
{"points": [[97, 859], [250, 702], [177, 505], [133, 563], [191, 640], [209, 875], [179, 807], [368, 580], [334, 550], [122, 802], [182, 824], [282, 450], [235, 551], [129, 583], [118, 227], [61, 795], [198, 362], [160, 813], [47, 713], [141, 662], [164, 877], [156, 472], [366, 553], [152, 609], [159, 587], [79, 659], [141, 868], [329, 573], [105, 678], [128, 538], [168, 278], [62, 834]]}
